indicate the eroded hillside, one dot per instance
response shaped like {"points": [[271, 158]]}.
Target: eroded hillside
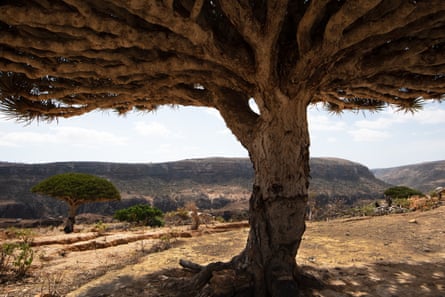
{"points": [[218, 184], [423, 177]]}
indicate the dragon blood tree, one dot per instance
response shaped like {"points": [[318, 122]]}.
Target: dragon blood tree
{"points": [[76, 189], [68, 57]]}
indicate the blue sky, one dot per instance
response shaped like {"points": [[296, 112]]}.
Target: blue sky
{"points": [[376, 140]]}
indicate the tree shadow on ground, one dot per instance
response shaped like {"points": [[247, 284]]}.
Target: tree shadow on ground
{"points": [[381, 279], [378, 279]]}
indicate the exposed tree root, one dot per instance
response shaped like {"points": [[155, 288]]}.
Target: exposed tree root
{"points": [[232, 279], [220, 279]]}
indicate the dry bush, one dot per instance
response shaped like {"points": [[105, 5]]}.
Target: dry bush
{"points": [[423, 203], [191, 206]]}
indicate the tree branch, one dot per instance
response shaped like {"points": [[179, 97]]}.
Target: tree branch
{"points": [[349, 12], [311, 17], [242, 18], [234, 108], [403, 17], [196, 10]]}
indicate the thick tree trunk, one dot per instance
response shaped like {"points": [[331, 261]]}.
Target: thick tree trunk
{"points": [[70, 221], [278, 144], [280, 155]]}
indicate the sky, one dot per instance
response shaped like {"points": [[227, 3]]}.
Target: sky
{"points": [[376, 140]]}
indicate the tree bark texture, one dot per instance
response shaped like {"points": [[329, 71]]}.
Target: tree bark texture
{"points": [[279, 151], [277, 207], [71, 220]]}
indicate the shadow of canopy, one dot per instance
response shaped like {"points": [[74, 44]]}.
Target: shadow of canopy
{"points": [[378, 279]]}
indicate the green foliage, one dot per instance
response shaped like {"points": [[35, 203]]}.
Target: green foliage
{"points": [[100, 227], [141, 214], [178, 217], [364, 210], [402, 202], [401, 192], [220, 219], [78, 187], [433, 194], [180, 213], [17, 257]]}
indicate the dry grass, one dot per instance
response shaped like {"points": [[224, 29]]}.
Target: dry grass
{"points": [[395, 255]]}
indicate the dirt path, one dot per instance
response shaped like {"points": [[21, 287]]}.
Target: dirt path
{"points": [[397, 255]]}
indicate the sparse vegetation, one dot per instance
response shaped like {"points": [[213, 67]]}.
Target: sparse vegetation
{"points": [[193, 209], [402, 202], [365, 210], [100, 227], [141, 214], [51, 283], [178, 217], [17, 256], [401, 192], [423, 203]]}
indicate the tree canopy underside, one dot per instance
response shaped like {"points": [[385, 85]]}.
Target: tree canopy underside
{"points": [[67, 57]]}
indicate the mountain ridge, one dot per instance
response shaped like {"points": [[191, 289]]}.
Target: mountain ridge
{"points": [[211, 183], [424, 176]]}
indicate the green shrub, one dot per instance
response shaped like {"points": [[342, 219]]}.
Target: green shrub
{"points": [[402, 202], [17, 257], [364, 210], [141, 214], [401, 192], [181, 213]]}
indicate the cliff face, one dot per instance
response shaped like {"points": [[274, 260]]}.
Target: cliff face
{"points": [[424, 177], [343, 180], [216, 183], [211, 183]]}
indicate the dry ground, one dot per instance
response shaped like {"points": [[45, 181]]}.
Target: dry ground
{"points": [[396, 255]]}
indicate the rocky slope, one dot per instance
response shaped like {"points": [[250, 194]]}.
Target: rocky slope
{"points": [[424, 177], [217, 183]]}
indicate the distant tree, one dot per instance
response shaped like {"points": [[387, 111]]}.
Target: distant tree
{"points": [[401, 192], [66, 58], [142, 214], [77, 189]]}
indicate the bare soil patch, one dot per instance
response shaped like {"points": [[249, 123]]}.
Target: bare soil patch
{"points": [[395, 255]]}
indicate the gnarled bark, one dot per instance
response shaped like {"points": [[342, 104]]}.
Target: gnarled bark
{"points": [[71, 220], [279, 150], [280, 154]]}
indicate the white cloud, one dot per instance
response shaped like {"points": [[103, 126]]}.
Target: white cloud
{"points": [[152, 129], [15, 139], [368, 135], [324, 123], [82, 136], [61, 135], [430, 116], [377, 124]]}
